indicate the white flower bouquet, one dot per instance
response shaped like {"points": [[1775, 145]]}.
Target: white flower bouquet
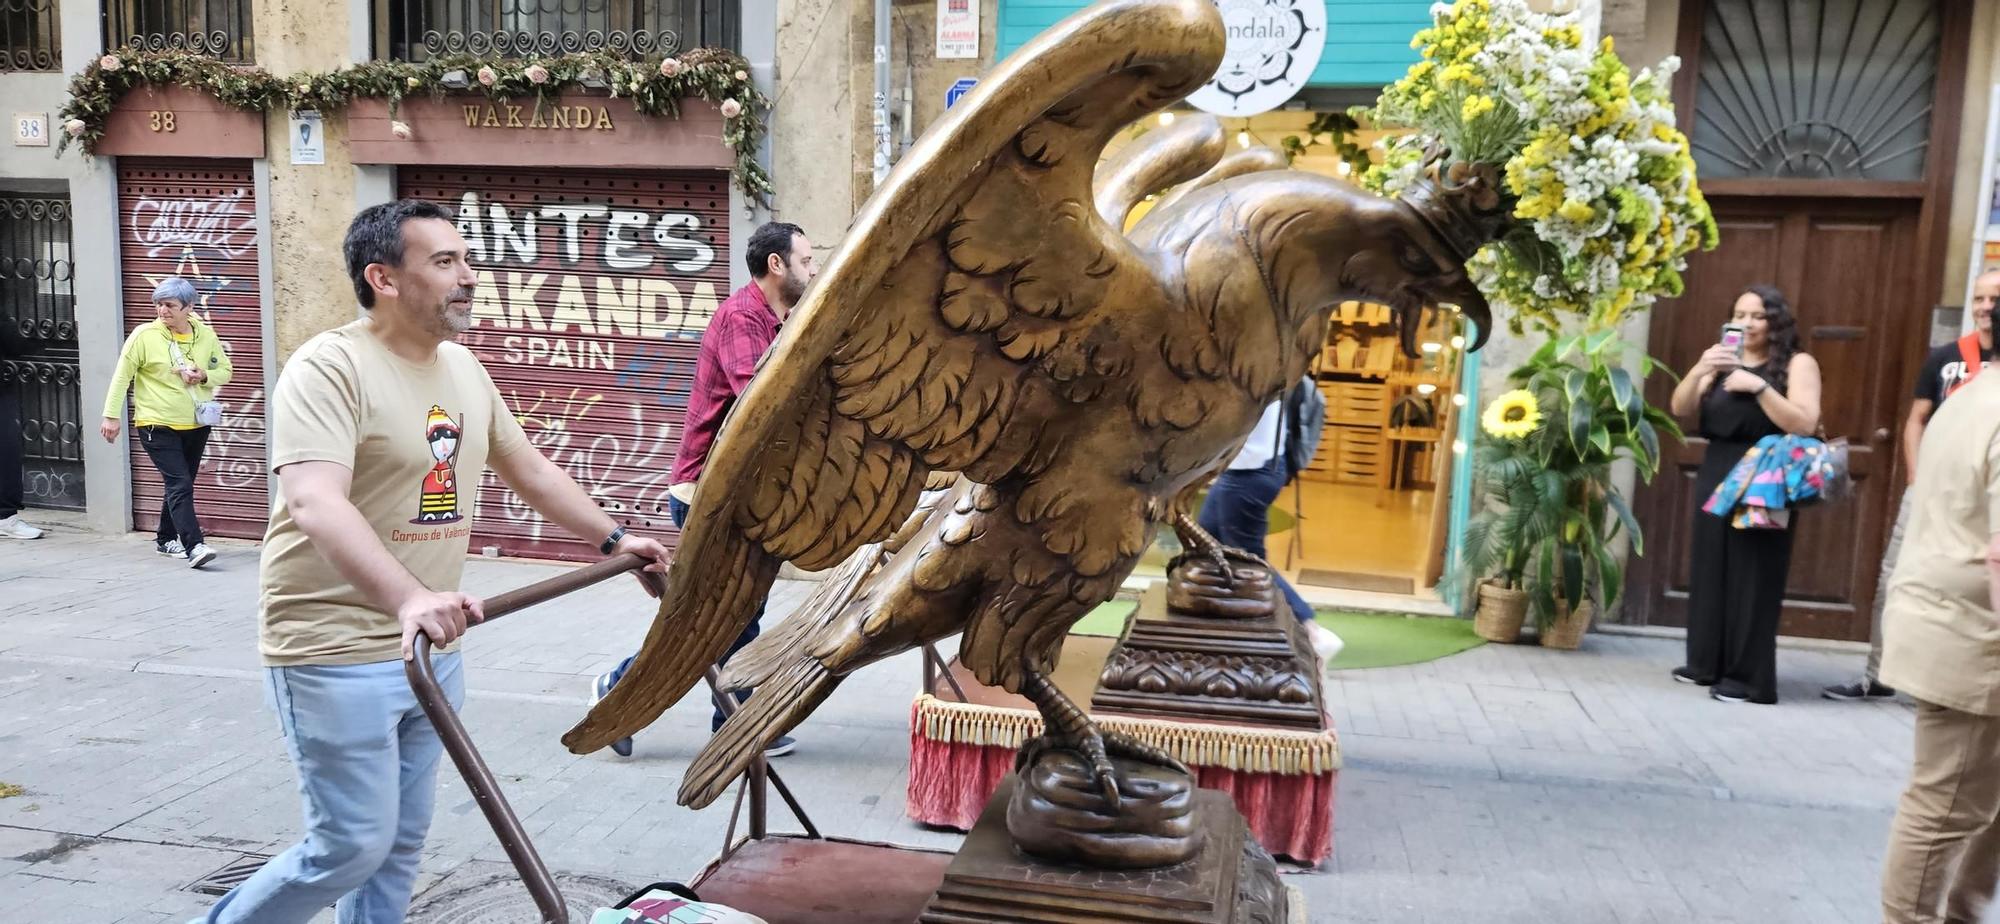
{"points": [[1600, 183]]}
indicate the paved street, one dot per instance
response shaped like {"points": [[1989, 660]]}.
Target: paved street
{"points": [[1504, 784]]}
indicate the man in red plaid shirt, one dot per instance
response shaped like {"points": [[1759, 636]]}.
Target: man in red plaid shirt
{"points": [[781, 264]]}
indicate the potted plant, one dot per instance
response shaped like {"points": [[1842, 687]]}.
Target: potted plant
{"points": [[1544, 462]]}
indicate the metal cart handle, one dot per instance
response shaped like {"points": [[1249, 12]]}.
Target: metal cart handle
{"points": [[478, 779]]}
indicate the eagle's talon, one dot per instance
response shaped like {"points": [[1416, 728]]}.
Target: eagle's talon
{"points": [[1220, 556]]}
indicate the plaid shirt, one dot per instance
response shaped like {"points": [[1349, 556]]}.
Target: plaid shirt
{"points": [[738, 335]]}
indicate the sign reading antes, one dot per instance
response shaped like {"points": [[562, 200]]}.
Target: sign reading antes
{"points": [[563, 282], [508, 115]]}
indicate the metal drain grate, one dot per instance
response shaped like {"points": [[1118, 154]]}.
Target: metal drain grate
{"points": [[492, 893], [231, 875]]}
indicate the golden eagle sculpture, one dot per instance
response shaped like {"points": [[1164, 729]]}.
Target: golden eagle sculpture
{"points": [[988, 316]]}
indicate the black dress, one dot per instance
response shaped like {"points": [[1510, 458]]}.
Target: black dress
{"points": [[1736, 581]]}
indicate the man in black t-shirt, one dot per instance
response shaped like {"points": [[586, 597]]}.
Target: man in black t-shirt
{"points": [[1945, 370]]}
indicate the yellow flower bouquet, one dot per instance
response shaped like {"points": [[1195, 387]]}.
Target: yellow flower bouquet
{"points": [[1600, 183]]}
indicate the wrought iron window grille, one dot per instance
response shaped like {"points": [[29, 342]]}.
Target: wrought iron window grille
{"points": [[218, 28], [31, 33], [38, 301], [420, 30]]}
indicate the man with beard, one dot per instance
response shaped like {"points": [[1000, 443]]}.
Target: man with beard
{"points": [[364, 550], [781, 264]]}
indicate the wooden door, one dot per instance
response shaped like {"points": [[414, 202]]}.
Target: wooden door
{"points": [[1847, 268]]}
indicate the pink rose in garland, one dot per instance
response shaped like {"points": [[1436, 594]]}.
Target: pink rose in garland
{"points": [[75, 128], [400, 129], [487, 78], [741, 76], [537, 74], [670, 67], [110, 62], [731, 109]]}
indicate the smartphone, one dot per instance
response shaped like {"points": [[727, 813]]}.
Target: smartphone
{"points": [[1732, 337]]}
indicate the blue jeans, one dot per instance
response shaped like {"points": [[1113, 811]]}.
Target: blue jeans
{"points": [[367, 761], [1238, 512], [679, 511]]}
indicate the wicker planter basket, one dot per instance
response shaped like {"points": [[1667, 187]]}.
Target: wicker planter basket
{"points": [[1500, 613], [1567, 631]]}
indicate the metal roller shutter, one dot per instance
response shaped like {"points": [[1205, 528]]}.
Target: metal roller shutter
{"points": [[197, 219], [595, 287]]}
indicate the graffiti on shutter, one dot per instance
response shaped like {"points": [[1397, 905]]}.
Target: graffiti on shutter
{"points": [[594, 289], [197, 219]]}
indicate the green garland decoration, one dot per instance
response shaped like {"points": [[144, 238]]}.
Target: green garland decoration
{"points": [[655, 85]]}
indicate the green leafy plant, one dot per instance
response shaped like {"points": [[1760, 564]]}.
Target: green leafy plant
{"points": [[1543, 462], [656, 86], [1339, 128]]}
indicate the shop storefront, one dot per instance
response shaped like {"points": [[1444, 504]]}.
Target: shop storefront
{"points": [[1373, 511]]}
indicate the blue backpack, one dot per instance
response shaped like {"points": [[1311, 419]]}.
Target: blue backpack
{"points": [[1304, 422]]}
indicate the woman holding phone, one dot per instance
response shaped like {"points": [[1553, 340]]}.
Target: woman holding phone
{"points": [[1753, 384]]}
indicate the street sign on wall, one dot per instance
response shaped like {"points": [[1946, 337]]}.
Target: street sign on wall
{"points": [[959, 88]]}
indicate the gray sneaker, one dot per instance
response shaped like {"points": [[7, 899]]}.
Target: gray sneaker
{"points": [[171, 548], [200, 555]]}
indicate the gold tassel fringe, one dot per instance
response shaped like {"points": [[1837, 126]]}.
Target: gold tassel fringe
{"points": [[1231, 747]]}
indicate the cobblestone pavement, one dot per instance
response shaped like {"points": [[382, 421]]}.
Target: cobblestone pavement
{"points": [[1504, 784]]}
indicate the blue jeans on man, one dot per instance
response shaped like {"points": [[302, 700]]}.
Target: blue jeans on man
{"points": [[679, 511], [1238, 512], [367, 760]]}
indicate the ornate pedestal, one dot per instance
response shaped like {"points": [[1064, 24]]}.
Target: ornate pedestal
{"points": [[1232, 880], [1216, 652]]}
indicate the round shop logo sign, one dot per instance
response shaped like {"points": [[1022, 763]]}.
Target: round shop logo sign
{"points": [[1274, 45]]}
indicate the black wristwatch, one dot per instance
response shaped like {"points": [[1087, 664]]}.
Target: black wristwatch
{"points": [[611, 541]]}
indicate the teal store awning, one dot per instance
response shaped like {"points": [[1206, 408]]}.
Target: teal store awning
{"points": [[1367, 41]]}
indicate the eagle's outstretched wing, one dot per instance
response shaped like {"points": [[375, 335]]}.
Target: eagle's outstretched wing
{"points": [[942, 336]]}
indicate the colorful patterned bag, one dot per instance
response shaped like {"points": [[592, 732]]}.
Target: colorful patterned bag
{"points": [[670, 903], [1777, 475]]}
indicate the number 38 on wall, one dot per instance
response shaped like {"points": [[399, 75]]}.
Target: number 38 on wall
{"points": [[161, 120]]}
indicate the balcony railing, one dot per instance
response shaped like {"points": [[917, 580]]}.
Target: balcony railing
{"points": [[209, 27], [30, 33], [417, 30]]}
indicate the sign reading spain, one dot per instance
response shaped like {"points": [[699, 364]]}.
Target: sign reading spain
{"points": [[1274, 45]]}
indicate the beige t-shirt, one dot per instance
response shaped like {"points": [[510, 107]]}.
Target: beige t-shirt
{"points": [[1941, 642], [417, 439]]}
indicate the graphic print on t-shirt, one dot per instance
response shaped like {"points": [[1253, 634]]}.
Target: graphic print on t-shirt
{"points": [[439, 500], [1953, 375]]}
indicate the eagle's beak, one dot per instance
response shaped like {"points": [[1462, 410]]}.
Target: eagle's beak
{"points": [[1472, 304]]}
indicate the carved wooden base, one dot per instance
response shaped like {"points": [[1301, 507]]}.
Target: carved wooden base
{"points": [[1232, 881], [1176, 662]]}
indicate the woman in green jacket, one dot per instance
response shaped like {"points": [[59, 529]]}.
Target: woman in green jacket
{"points": [[171, 365]]}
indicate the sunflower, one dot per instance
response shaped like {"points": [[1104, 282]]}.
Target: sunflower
{"points": [[1512, 415]]}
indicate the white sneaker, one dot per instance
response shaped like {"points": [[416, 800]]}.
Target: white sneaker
{"points": [[16, 528], [200, 555], [1325, 643]]}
